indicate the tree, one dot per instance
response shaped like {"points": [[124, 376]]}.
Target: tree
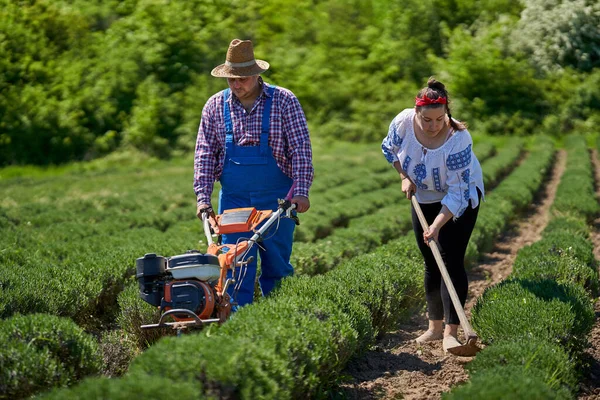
{"points": [[560, 33]]}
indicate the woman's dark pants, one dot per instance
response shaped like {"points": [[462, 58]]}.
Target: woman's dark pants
{"points": [[453, 240]]}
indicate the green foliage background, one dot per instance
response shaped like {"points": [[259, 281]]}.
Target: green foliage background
{"points": [[83, 78]]}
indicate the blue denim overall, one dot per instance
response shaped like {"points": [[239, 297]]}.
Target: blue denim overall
{"points": [[251, 178]]}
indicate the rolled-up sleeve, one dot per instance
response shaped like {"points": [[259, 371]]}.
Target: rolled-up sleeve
{"points": [[459, 164], [206, 154], [296, 129]]}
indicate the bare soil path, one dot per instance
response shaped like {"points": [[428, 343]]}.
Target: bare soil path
{"points": [[398, 368]]}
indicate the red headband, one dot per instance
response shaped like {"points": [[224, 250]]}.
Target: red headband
{"points": [[425, 101]]}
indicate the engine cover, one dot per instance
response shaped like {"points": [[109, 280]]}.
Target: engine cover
{"points": [[193, 295]]}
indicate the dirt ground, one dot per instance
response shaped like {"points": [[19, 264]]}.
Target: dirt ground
{"points": [[398, 368]]}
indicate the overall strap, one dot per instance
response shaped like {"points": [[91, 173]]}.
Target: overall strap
{"points": [[227, 118], [266, 119]]}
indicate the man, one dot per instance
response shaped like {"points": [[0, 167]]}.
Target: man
{"points": [[254, 139]]}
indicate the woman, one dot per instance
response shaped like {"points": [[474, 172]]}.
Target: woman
{"points": [[433, 154]]}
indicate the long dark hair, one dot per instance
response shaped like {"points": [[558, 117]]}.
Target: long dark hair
{"points": [[434, 90]]}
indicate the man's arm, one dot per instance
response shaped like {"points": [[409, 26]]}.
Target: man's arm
{"points": [[296, 130], [206, 157]]}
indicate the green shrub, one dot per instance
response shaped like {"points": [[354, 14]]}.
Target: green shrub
{"points": [[240, 367], [308, 289], [25, 370], [508, 89], [575, 200], [573, 295], [315, 336], [495, 168], [570, 224], [484, 149], [514, 382], [562, 267], [561, 255], [541, 309], [575, 193], [45, 351], [278, 347], [550, 360], [363, 234], [389, 285], [130, 387]]}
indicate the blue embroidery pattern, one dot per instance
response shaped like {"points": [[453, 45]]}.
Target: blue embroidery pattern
{"points": [[420, 174], [465, 175], [436, 180], [459, 160], [406, 163], [388, 154], [396, 140]]}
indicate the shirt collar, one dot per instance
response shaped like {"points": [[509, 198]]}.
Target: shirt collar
{"points": [[264, 85]]}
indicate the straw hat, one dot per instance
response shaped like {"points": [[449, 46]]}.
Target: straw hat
{"points": [[240, 61]]}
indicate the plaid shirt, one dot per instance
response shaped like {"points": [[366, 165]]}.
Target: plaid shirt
{"points": [[288, 138]]}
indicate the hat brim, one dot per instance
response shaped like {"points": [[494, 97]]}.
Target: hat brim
{"points": [[225, 71]]}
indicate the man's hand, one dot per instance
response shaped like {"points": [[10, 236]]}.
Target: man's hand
{"points": [[302, 203], [202, 208]]}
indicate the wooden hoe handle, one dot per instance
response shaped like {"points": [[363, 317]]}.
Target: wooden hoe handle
{"points": [[470, 334]]}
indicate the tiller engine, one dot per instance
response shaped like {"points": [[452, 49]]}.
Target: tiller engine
{"points": [[191, 288]]}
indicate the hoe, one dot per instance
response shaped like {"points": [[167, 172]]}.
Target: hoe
{"points": [[191, 288], [470, 348]]}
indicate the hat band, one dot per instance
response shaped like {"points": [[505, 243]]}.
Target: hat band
{"points": [[240, 65]]}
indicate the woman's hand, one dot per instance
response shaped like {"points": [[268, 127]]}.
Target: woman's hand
{"points": [[408, 187], [432, 233]]}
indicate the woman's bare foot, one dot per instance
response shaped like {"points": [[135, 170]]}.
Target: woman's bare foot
{"points": [[429, 336]]}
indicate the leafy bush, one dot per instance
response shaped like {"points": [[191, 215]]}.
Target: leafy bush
{"points": [[45, 351], [534, 356], [132, 386], [207, 363], [570, 224], [542, 309], [514, 382], [559, 256], [575, 193], [297, 346], [559, 267], [25, 370]]}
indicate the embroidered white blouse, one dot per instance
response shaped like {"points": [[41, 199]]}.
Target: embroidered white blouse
{"points": [[449, 174]]}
